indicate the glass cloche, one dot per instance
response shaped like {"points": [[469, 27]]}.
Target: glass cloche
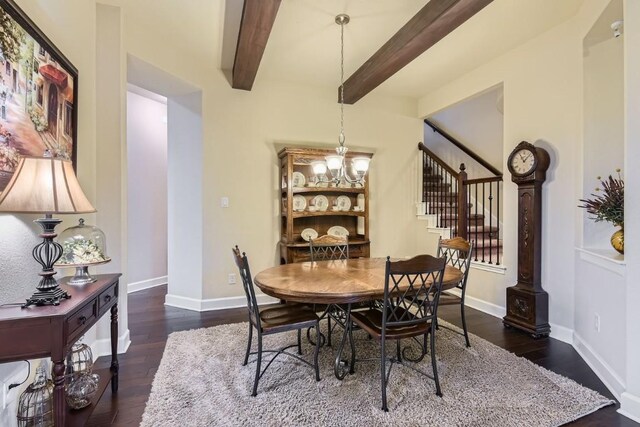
{"points": [[82, 246]]}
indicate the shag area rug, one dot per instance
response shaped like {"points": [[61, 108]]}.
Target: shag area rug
{"points": [[201, 382]]}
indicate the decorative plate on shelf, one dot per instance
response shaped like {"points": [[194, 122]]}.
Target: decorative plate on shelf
{"points": [[299, 203], [343, 203], [308, 234], [338, 231], [298, 180], [321, 202]]}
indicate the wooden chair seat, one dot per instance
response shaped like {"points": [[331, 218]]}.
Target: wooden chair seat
{"points": [[287, 317], [371, 322]]}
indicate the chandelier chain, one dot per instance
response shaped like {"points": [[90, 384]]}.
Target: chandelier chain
{"points": [[341, 138]]}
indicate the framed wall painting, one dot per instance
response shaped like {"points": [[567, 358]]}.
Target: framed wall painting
{"points": [[38, 94]]}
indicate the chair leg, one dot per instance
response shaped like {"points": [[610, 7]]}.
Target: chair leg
{"points": [[434, 364], [398, 355], [464, 324], [316, 351], [258, 363], [352, 364], [329, 331], [300, 341], [383, 375], [246, 355]]}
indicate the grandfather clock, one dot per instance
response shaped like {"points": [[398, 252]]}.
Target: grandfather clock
{"points": [[527, 302]]}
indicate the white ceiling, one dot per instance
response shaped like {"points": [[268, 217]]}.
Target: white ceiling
{"points": [[304, 46]]}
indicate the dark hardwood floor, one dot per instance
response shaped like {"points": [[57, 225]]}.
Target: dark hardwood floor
{"points": [[150, 322]]}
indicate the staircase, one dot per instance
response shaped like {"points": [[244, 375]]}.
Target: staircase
{"points": [[469, 208], [442, 202]]}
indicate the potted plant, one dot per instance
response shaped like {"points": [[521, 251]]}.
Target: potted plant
{"points": [[608, 205]]}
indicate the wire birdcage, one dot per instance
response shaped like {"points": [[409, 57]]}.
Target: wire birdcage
{"points": [[79, 359], [35, 407]]}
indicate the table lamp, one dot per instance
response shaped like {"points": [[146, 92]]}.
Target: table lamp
{"points": [[48, 186]]}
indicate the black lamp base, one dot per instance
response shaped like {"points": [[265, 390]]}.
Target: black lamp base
{"points": [[49, 297], [47, 253]]}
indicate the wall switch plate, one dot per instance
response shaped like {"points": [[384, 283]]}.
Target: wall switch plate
{"points": [[232, 278], [224, 202], [596, 322]]}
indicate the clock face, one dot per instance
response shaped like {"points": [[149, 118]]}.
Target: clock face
{"points": [[523, 162]]}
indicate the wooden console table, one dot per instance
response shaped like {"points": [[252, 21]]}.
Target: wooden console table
{"points": [[50, 331]]}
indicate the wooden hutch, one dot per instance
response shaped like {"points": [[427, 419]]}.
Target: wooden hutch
{"points": [[355, 219]]}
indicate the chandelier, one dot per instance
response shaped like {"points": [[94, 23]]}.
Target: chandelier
{"points": [[336, 163]]}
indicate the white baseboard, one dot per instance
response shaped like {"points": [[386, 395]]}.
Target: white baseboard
{"points": [[481, 305], [630, 406], [562, 333], [102, 347], [146, 284], [607, 375], [491, 268], [214, 303]]}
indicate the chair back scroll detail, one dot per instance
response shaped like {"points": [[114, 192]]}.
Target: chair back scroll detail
{"points": [[411, 291], [328, 248], [247, 284]]}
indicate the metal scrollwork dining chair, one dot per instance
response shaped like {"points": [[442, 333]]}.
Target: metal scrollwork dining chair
{"points": [[458, 253], [328, 248], [412, 290], [273, 320]]}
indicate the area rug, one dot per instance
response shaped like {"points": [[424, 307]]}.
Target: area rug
{"points": [[201, 382]]}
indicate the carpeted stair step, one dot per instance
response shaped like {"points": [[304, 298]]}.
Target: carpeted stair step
{"points": [[440, 196], [485, 243], [481, 230], [437, 186], [452, 221], [432, 178], [436, 207]]}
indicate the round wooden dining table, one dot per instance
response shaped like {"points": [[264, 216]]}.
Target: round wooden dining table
{"points": [[334, 282], [339, 284]]}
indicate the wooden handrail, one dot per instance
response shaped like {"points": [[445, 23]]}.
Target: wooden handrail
{"points": [[464, 148], [438, 160], [483, 180]]}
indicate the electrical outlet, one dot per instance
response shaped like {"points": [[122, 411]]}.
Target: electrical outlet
{"points": [[16, 376], [596, 322], [232, 278], [224, 202]]}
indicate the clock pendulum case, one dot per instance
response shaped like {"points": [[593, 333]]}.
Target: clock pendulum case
{"points": [[527, 302]]}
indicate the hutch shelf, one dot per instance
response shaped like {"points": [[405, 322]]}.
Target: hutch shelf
{"points": [[325, 205]]}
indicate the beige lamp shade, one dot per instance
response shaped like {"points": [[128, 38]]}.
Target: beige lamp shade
{"points": [[44, 185]]}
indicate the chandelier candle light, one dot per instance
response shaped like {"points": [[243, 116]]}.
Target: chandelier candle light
{"points": [[336, 163]]}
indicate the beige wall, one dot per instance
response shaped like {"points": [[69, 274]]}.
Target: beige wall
{"points": [[65, 23], [241, 134], [543, 105]]}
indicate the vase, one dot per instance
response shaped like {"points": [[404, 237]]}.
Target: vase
{"points": [[617, 240]]}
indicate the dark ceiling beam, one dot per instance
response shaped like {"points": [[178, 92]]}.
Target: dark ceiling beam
{"points": [[257, 20], [430, 25]]}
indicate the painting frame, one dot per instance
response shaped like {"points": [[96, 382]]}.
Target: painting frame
{"points": [[60, 73]]}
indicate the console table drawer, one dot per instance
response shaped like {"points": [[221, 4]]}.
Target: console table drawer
{"points": [[107, 298], [85, 316]]}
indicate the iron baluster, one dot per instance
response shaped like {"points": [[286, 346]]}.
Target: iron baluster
{"points": [[476, 226], [490, 222], [498, 221]]}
